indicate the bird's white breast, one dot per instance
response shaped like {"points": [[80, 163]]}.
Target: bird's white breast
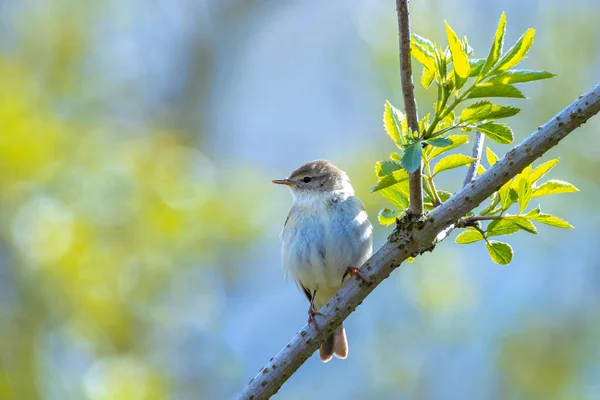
{"points": [[325, 234]]}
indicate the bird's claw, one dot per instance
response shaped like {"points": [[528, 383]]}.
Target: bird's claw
{"points": [[312, 312], [355, 272]]}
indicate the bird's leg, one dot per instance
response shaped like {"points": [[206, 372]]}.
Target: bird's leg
{"points": [[355, 272], [312, 311]]}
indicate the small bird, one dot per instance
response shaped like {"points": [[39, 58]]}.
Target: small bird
{"points": [[326, 236]]}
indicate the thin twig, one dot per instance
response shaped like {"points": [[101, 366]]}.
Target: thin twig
{"points": [[435, 195], [414, 239], [471, 174], [472, 221], [477, 151], [410, 105]]}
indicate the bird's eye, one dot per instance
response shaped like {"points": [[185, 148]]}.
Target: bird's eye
{"points": [[306, 179]]}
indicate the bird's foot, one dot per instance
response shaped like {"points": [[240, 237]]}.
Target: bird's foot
{"points": [[355, 272], [312, 313]]}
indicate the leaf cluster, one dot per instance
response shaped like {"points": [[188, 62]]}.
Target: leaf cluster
{"points": [[519, 191], [464, 80]]}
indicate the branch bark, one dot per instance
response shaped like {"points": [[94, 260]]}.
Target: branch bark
{"points": [[413, 239], [410, 105]]}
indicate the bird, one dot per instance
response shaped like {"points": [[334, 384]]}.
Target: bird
{"points": [[326, 236]]}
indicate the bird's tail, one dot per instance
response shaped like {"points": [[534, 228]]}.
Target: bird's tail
{"points": [[336, 344]]}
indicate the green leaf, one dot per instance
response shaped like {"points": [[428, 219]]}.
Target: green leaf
{"points": [[469, 236], [427, 77], [476, 112], [468, 49], [452, 161], [524, 188], [515, 54], [496, 49], [491, 157], [397, 194], [423, 51], [444, 195], [484, 110], [500, 252], [503, 111], [533, 213], [542, 169], [509, 225], [553, 186], [411, 159], [392, 123], [440, 142], [491, 207], [548, 219], [460, 60], [388, 217], [484, 90], [457, 140], [476, 66], [389, 180], [502, 227], [525, 224], [448, 120], [519, 76], [383, 168], [508, 196], [424, 123], [499, 133]]}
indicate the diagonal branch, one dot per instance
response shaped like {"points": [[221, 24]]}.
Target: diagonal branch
{"points": [[413, 239], [410, 105]]}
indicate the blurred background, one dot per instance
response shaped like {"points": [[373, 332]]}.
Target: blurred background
{"points": [[139, 231]]}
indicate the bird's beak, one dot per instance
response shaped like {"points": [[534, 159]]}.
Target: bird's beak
{"points": [[282, 182]]}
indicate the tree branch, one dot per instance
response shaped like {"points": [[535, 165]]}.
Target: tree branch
{"points": [[414, 238], [477, 150], [410, 105]]}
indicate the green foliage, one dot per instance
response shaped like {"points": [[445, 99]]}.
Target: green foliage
{"points": [[500, 252], [391, 179], [485, 90], [440, 142], [485, 111], [496, 49], [432, 152], [460, 77], [491, 157], [384, 168], [460, 60], [411, 159], [393, 122], [469, 236], [553, 186], [452, 161], [520, 190], [519, 76], [515, 54], [387, 216], [500, 133]]}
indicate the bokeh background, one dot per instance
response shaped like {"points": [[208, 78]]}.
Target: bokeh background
{"points": [[139, 249]]}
